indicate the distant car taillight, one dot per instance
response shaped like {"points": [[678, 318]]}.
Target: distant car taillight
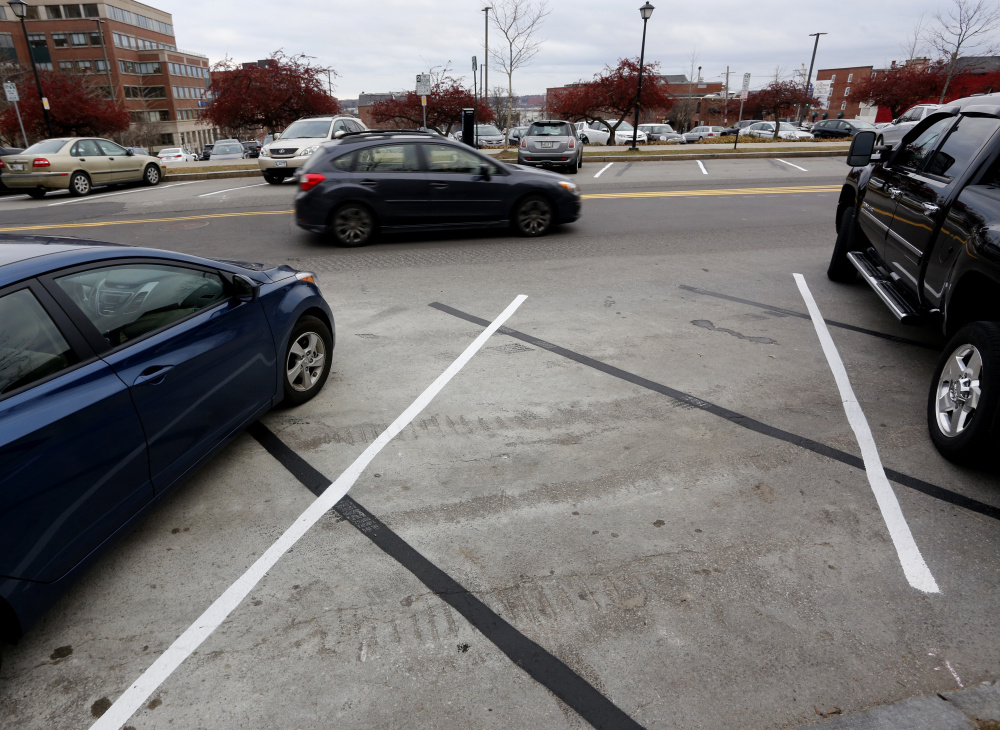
{"points": [[572, 144], [311, 180], [524, 142], [1, 164], [40, 162]]}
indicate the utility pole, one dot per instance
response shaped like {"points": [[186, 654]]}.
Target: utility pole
{"points": [[486, 61], [811, 63], [107, 66], [726, 105]]}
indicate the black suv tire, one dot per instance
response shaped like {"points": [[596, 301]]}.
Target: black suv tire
{"points": [[840, 269]]}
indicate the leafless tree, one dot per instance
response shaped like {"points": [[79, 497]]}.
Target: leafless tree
{"points": [[518, 22], [916, 42], [967, 25], [683, 110]]}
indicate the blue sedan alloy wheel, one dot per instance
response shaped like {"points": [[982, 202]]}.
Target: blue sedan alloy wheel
{"points": [[534, 216], [307, 361], [353, 225]]}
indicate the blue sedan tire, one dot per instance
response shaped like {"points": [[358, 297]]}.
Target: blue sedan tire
{"points": [[307, 360]]}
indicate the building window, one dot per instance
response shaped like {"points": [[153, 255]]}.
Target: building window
{"points": [[843, 105], [59, 40], [32, 13], [3, 14], [85, 66], [847, 91], [53, 11], [833, 77], [95, 38], [90, 10], [44, 66], [850, 78], [65, 65], [72, 11], [78, 39], [39, 49], [100, 65]]}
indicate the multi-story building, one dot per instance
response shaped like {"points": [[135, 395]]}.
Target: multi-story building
{"points": [[839, 103], [128, 51]]}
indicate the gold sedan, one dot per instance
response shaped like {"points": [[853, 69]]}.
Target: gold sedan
{"points": [[77, 164]]}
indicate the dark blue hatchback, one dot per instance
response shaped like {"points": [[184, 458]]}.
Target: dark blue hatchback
{"points": [[121, 371], [366, 182]]}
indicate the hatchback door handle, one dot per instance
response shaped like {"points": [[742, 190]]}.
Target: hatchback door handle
{"points": [[930, 209], [153, 375], [894, 193]]}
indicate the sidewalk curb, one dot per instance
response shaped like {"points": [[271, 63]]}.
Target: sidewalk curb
{"points": [[174, 177], [971, 708]]}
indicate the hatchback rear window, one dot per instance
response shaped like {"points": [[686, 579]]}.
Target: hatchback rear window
{"points": [[549, 129]]}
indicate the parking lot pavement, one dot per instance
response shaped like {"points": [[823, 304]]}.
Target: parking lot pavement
{"points": [[649, 475]]}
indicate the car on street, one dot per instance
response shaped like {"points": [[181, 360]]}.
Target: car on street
{"points": [[176, 154], [123, 371], [661, 133], [593, 133], [6, 151], [551, 142], [138, 150], [228, 151], [515, 134], [894, 131], [289, 149], [77, 164], [623, 135], [703, 132], [920, 224], [206, 151], [252, 148], [359, 185], [766, 130], [839, 128], [734, 129]]}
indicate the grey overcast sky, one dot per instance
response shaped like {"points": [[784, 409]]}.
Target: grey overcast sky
{"points": [[380, 45]]}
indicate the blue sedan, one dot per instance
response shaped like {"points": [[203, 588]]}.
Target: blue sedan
{"points": [[122, 370]]}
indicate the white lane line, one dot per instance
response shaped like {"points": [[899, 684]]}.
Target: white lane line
{"points": [[603, 169], [227, 190], [704, 171], [133, 698], [917, 573], [91, 198], [795, 166]]}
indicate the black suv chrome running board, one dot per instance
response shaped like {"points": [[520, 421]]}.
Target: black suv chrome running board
{"points": [[886, 289]]}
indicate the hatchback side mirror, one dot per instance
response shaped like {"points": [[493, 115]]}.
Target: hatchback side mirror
{"points": [[862, 147]]}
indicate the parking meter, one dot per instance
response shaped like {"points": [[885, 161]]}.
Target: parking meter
{"points": [[469, 127]]}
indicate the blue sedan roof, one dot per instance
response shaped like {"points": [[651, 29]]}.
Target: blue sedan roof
{"points": [[25, 256]]}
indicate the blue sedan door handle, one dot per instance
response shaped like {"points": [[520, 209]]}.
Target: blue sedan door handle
{"points": [[153, 375]]}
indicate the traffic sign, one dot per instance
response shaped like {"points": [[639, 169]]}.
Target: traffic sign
{"points": [[10, 89], [475, 66], [746, 82], [423, 84], [744, 95]]}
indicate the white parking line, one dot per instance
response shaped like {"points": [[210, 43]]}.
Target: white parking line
{"points": [[227, 190], [795, 166], [90, 198], [704, 171], [214, 615], [603, 169], [917, 573]]}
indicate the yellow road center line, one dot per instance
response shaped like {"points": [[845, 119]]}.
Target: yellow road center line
{"points": [[98, 224], [591, 196]]}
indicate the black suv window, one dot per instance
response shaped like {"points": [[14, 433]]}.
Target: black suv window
{"points": [[31, 346], [912, 156], [962, 144]]}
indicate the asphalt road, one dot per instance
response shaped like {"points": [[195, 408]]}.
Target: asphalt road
{"points": [[643, 498]]}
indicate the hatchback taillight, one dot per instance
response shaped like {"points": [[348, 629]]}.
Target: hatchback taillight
{"points": [[524, 142], [311, 180], [572, 144], [40, 162]]}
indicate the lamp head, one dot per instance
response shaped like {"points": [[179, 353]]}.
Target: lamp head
{"points": [[19, 7], [646, 10]]}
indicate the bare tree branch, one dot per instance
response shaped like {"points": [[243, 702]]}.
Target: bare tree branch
{"points": [[518, 22], [967, 25]]}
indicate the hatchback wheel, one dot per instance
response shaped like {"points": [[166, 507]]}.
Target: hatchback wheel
{"points": [[79, 184], [352, 224], [151, 175], [307, 360], [533, 216]]}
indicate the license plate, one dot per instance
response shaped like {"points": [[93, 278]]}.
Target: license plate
{"points": [[280, 163], [16, 166], [546, 145]]}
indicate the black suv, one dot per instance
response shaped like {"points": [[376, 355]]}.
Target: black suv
{"points": [[364, 182], [921, 225]]}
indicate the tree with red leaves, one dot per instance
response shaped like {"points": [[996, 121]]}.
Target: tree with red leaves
{"points": [[77, 109], [901, 87], [778, 98], [444, 107], [268, 96], [611, 97]]}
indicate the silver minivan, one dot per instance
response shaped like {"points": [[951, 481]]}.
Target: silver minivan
{"points": [[551, 142]]}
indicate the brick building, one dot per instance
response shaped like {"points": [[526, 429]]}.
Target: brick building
{"points": [[366, 103], [128, 51], [840, 103]]}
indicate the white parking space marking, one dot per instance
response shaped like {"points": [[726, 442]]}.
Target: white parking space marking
{"points": [[133, 698], [791, 165], [228, 190], [703, 170], [603, 169], [917, 573], [91, 198]]}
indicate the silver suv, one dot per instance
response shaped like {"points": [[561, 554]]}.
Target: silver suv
{"points": [[290, 149], [895, 130]]}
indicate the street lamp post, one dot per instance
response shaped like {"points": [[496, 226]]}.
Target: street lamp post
{"points": [[645, 11], [811, 63], [20, 9], [107, 66]]}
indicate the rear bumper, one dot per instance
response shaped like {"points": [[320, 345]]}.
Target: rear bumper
{"points": [[28, 180], [287, 165], [552, 158]]}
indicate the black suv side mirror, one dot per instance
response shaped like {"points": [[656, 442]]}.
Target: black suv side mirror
{"points": [[484, 172], [862, 147]]}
